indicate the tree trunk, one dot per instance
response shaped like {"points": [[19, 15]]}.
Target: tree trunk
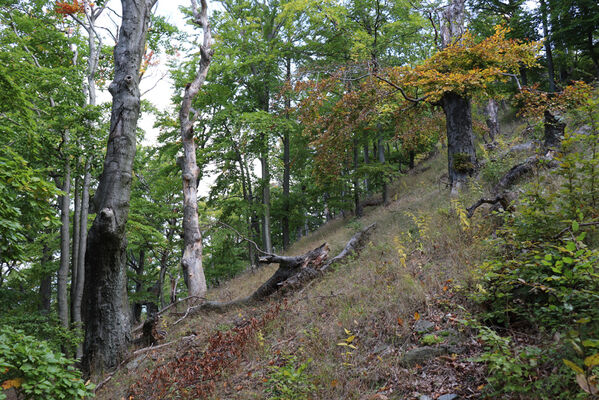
{"points": [[191, 262], [105, 305], [65, 240], [554, 129], [412, 155], [491, 111], [381, 149], [452, 28], [547, 44], [45, 290], [366, 162], [357, 206], [286, 165], [76, 238], [461, 154]]}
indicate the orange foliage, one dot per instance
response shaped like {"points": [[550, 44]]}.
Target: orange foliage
{"points": [[533, 103], [467, 67], [65, 8]]}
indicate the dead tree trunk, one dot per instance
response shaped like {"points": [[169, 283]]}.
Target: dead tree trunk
{"points": [[105, 305], [491, 111], [191, 262], [554, 129], [293, 272]]}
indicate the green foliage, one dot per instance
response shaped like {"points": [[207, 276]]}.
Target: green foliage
{"points": [[545, 275], [44, 328], [290, 381], [37, 371]]}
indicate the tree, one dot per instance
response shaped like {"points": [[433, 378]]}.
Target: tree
{"points": [[191, 261], [451, 76], [105, 305]]}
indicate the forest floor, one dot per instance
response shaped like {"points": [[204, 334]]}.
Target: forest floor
{"points": [[392, 323]]}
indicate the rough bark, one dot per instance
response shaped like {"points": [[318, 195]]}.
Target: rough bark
{"points": [[293, 272], [461, 155], [554, 129], [452, 28], [105, 305], [65, 240], [191, 261]]}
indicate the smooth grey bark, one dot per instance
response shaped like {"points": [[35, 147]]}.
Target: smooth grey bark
{"points": [[461, 155], [266, 202], [76, 236], [358, 211], [105, 305], [491, 118], [381, 149], [366, 162], [65, 239], [191, 262], [286, 163]]}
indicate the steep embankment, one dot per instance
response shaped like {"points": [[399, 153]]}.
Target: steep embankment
{"points": [[382, 326]]}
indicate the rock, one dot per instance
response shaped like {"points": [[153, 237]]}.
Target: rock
{"points": [[423, 326], [135, 362], [448, 397], [421, 354], [424, 397]]}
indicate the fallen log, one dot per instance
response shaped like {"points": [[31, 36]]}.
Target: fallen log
{"points": [[293, 272], [500, 191]]}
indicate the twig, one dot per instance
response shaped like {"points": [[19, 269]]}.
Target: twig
{"points": [[403, 93], [569, 228]]}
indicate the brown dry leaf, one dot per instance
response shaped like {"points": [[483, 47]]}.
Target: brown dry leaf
{"points": [[585, 385], [399, 321], [416, 316]]}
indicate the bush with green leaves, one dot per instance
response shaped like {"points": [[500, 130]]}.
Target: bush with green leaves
{"points": [[290, 381], [544, 275], [36, 371]]}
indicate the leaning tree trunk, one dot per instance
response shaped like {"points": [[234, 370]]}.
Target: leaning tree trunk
{"points": [[105, 305], [191, 262], [461, 155]]}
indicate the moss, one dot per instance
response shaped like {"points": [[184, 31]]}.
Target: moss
{"points": [[462, 162]]}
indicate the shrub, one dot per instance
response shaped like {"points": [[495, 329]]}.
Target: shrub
{"points": [[30, 365]]}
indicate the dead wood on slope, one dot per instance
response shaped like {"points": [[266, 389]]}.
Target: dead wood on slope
{"points": [[293, 272], [502, 195]]}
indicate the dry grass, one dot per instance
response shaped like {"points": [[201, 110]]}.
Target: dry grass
{"points": [[419, 247]]}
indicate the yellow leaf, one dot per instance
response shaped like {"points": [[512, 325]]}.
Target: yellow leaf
{"points": [[350, 339], [347, 332], [573, 366], [12, 383], [416, 316], [592, 361], [341, 344]]}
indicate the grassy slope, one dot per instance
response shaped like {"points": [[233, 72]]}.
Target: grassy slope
{"points": [[418, 257]]}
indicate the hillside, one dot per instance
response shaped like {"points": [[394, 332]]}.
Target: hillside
{"points": [[400, 305]]}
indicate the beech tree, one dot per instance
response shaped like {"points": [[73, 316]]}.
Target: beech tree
{"points": [[191, 261], [105, 306]]}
